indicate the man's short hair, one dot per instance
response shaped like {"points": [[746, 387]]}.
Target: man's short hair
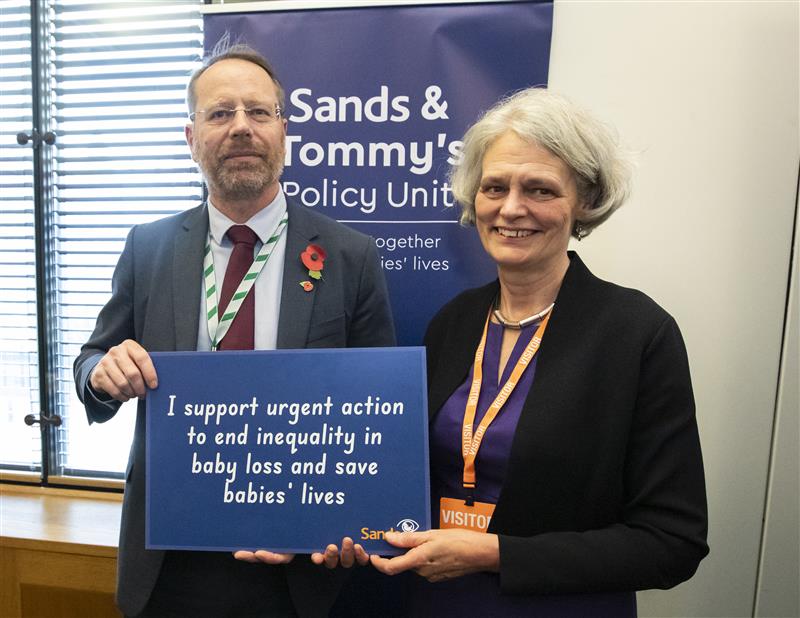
{"points": [[223, 50]]}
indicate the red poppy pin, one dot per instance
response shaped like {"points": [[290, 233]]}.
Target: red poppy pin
{"points": [[313, 258]]}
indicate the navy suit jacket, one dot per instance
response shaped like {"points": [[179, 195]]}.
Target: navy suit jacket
{"points": [[156, 291], [604, 489]]}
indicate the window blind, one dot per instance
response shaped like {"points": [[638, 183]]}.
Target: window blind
{"points": [[20, 445], [120, 71]]}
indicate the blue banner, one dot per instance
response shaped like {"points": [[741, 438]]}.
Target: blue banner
{"points": [[378, 100], [286, 450]]}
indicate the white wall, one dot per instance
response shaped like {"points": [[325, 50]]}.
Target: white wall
{"points": [[708, 93], [779, 579]]}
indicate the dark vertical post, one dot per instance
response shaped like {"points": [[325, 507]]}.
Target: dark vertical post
{"points": [[43, 232]]}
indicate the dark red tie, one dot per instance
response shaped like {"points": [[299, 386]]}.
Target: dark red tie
{"points": [[240, 336]]}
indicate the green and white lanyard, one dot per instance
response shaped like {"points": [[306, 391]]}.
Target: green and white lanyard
{"points": [[218, 328]]}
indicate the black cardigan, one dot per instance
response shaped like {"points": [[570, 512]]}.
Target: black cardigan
{"points": [[604, 489]]}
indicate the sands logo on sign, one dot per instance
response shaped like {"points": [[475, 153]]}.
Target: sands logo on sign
{"points": [[404, 525]]}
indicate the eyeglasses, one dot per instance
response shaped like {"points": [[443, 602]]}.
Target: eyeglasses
{"points": [[223, 115]]}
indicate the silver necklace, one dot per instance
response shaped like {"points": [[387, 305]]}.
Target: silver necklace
{"points": [[522, 323]]}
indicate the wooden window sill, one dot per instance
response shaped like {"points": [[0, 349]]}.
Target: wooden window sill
{"points": [[58, 550], [65, 521]]}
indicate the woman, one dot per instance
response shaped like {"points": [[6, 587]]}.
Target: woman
{"points": [[590, 475]]}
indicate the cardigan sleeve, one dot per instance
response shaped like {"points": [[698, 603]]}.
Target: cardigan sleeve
{"points": [[660, 537]]}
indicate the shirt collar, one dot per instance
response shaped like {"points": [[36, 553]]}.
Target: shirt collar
{"points": [[263, 223]]}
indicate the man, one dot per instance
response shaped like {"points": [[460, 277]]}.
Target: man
{"points": [[159, 302]]}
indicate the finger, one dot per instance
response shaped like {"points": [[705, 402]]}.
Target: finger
{"points": [[406, 539], [317, 558], [143, 362], [245, 556], [331, 556], [393, 566], [380, 564], [123, 372], [97, 378], [269, 557], [362, 557], [130, 357], [107, 378], [119, 372], [101, 383], [347, 557]]}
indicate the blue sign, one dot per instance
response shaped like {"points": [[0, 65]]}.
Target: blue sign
{"points": [[286, 450], [378, 100]]}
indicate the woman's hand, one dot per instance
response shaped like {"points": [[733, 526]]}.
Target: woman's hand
{"points": [[437, 555], [351, 553]]}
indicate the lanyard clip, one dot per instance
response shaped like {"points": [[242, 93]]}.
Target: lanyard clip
{"points": [[470, 490]]}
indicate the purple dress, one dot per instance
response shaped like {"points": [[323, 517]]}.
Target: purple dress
{"points": [[479, 594]]}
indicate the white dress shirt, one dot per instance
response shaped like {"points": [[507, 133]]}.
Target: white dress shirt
{"points": [[269, 283]]}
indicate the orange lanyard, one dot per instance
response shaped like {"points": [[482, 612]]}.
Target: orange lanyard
{"points": [[470, 443]]}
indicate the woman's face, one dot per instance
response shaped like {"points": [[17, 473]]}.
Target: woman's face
{"points": [[526, 205]]}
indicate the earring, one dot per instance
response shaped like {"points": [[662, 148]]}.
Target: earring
{"points": [[580, 231]]}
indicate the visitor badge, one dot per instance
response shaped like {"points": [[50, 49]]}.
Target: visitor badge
{"points": [[454, 513]]}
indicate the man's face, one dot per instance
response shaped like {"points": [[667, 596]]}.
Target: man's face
{"points": [[241, 159]]}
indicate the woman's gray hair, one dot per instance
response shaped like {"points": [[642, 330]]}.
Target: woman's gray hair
{"points": [[590, 148]]}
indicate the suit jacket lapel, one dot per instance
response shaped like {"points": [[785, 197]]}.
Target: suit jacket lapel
{"points": [[187, 277], [296, 304]]}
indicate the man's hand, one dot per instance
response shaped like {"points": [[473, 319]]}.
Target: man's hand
{"points": [[125, 372], [437, 555], [262, 555], [349, 555], [331, 558]]}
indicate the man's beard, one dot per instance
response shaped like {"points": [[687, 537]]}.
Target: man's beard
{"points": [[244, 180]]}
